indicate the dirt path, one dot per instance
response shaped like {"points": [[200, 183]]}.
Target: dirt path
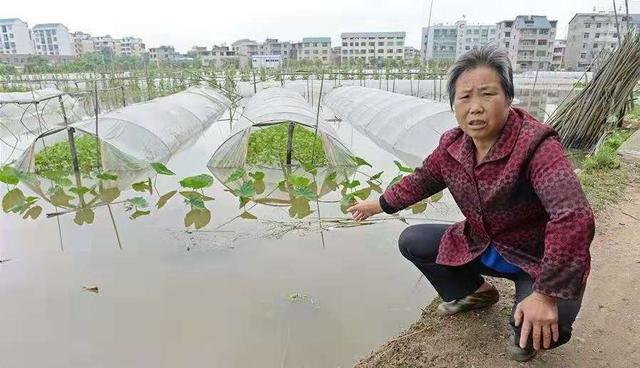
{"points": [[606, 334]]}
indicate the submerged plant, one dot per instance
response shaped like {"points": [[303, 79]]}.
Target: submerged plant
{"points": [[57, 157]]}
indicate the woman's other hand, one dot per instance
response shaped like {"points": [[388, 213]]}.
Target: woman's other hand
{"points": [[364, 209]]}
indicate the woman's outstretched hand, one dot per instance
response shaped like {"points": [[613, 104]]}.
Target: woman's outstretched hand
{"points": [[364, 209]]}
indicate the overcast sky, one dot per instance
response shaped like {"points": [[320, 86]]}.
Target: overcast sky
{"points": [[189, 22]]}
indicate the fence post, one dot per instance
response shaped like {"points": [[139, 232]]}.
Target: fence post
{"points": [[72, 142]]}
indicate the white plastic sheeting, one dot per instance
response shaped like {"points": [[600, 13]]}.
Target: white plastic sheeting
{"points": [[407, 127], [275, 106], [134, 136]]}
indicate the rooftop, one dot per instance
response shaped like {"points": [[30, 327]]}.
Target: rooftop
{"points": [[316, 39], [373, 34], [532, 21]]}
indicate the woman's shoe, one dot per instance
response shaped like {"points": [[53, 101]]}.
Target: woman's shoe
{"points": [[477, 300]]}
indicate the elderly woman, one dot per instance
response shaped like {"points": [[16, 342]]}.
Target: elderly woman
{"points": [[526, 216]]}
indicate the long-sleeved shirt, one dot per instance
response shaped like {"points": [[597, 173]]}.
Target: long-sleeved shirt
{"points": [[523, 197]]}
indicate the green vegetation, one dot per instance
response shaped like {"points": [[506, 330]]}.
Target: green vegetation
{"points": [[57, 157], [268, 146], [602, 177]]}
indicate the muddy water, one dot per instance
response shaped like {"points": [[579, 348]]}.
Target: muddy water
{"points": [[271, 292]]}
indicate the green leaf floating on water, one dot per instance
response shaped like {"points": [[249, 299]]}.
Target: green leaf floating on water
{"points": [[33, 212], [248, 216], [164, 198], [8, 175], [247, 189], [236, 174], [360, 161], [304, 192], [161, 169], [257, 176], [437, 197], [138, 202], [13, 200], [299, 181], [84, 216], [109, 194], [142, 186], [403, 168], [60, 198], [139, 213], [198, 217], [197, 182], [80, 190], [107, 176]]}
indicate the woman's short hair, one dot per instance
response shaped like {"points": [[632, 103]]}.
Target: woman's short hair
{"points": [[489, 55]]}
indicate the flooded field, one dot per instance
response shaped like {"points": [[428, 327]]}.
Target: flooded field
{"points": [[269, 281]]}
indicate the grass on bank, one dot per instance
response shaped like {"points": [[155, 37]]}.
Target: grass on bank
{"points": [[602, 176]]}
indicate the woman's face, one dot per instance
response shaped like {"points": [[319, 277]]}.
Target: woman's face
{"points": [[480, 104]]}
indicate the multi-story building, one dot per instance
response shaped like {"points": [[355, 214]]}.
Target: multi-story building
{"points": [[557, 59], [82, 43], [592, 33], [218, 55], [411, 54], [372, 47], [316, 49], [439, 42], [529, 41], [132, 46], [15, 37], [104, 44], [471, 36], [336, 53], [447, 42], [52, 39], [245, 47], [162, 54]]}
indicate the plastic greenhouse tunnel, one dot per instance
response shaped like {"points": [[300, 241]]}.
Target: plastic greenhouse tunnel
{"points": [[128, 139], [276, 127], [407, 127], [276, 136]]}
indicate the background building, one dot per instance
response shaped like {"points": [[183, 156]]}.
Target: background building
{"points": [[82, 43], [53, 39], [15, 37], [316, 48], [529, 40], [370, 47], [162, 54], [557, 59], [448, 42], [591, 33], [131, 46]]}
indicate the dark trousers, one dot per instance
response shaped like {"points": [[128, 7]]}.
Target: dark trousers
{"points": [[420, 243]]}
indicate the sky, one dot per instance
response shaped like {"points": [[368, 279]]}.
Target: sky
{"points": [[206, 23]]}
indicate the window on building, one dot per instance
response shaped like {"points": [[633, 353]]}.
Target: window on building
{"points": [[315, 52], [585, 35], [584, 45], [507, 34], [615, 35], [540, 53], [344, 44], [598, 25], [467, 48], [542, 42], [543, 31], [587, 25], [399, 43], [506, 44], [306, 52], [380, 43], [390, 51], [597, 35], [389, 43], [595, 45], [583, 55]]}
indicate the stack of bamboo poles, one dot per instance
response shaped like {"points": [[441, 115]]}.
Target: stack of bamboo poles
{"points": [[586, 118]]}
